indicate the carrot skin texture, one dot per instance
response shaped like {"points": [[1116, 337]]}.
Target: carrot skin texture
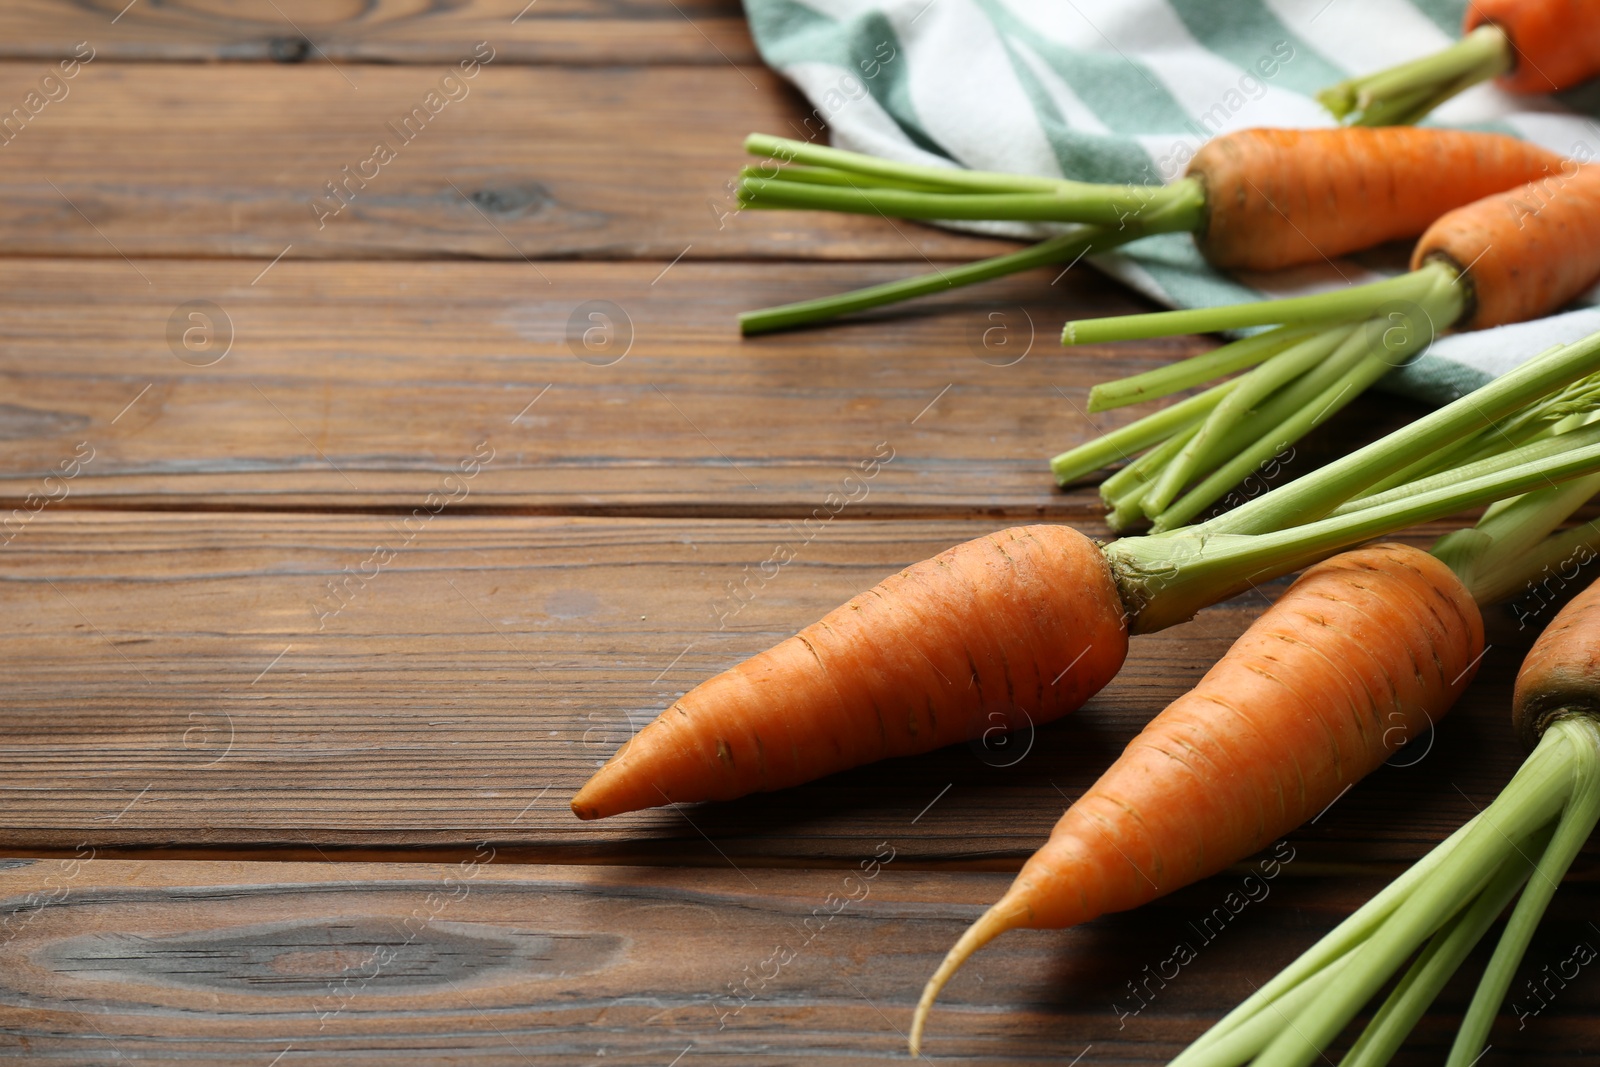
{"points": [[1526, 252], [1362, 653], [1024, 620], [1277, 198], [1561, 673], [1557, 42]]}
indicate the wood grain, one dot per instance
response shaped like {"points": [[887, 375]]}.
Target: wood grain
{"points": [[189, 680], [384, 31], [358, 386], [507, 964], [156, 159]]}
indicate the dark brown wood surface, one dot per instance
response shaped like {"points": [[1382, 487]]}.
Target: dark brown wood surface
{"points": [[526, 162], [381, 31], [479, 962], [252, 817]]}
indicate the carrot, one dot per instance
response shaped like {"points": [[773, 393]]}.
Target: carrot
{"points": [[1561, 673], [1255, 199], [1365, 650], [1524, 841], [1025, 618], [1278, 198], [1554, 44], [1524, 253], [1036, 618], [1528, 46], [1506, 258]]}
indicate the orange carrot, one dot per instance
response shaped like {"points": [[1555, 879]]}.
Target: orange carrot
{"points": [[1364, 651], [1259, 199], [1555, 43], [1025, 620], [1561, 673], [1523, 253], [1277, 198]]}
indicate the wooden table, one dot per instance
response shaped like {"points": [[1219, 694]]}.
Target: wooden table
{"points": [[340, 554]]}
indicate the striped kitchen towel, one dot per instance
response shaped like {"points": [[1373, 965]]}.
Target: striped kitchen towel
{"points": [[1126, 91]]}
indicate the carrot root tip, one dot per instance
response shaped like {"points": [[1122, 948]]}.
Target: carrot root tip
{"points": [[1007, 914]]}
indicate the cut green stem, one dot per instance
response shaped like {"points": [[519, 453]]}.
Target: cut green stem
{"points": [[1164, 381], [1068, 248], [1345, 305], [1073, 202], [1404, 94], [952, 177], [1203, 448], [1135, 437], [1272, 445], [1577, 823], [1055, 250]]}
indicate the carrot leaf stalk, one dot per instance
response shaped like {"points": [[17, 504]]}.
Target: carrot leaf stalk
{"points": [[914, 191], [1404, 94], [1442, 906], [1063, 249]]}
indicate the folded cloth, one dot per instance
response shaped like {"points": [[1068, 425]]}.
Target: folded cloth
{"points": [[1126, 91]]}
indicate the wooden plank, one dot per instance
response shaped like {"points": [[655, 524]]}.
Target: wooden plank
{"points": [[524, 163], [345, 386], [499, 963], [383, 31], [189, 680]]}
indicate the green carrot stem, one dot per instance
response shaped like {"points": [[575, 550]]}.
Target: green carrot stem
{"points": [[1242, 1042], [829, 176], [1166, 578], [1054, 250], [1531, 802], [1534, 450], [1582, 735], [953, 178], [1333, 950], [1358, 302], [1091, 204], [1507, 549], [1569, 549], [1125, 515], [1518, 428], [1437, 963], [1141, 470], [1305, 418], [1321, 492], [1294, 362], [1163, 381], [1311, 392], [1122, 442], [1381, 99]]}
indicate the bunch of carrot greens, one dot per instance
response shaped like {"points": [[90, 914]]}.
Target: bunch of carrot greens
{"points": [[1259, 199], [1323, 352], [828, 179]]}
